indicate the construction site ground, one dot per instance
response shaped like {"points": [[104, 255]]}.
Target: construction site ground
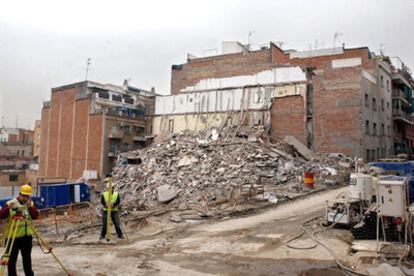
{"points": [[250, 244]]}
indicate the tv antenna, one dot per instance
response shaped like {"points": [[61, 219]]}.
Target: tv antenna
{"points": [[88, 62]]}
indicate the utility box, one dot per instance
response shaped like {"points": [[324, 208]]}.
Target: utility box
{"points": [[361, 186], [392, 196]]}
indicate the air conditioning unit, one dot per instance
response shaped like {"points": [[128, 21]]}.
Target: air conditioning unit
{"points": [[122, 124]]}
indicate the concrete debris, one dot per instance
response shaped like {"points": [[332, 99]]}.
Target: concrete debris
{"points": [[183, 170], [166, 193], [301, 148]]}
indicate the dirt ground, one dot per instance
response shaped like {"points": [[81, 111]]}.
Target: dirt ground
{"points": [[249, 245]]}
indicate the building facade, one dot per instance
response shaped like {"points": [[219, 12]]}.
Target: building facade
{"points": [[224, 101], [86, 125], [402, 107], [346, 105], [36, 140]]}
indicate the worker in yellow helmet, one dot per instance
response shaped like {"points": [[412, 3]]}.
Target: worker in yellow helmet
{"points": [[115, 202], [21, 205]]}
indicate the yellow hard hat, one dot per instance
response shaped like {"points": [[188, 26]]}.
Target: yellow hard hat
{"points": [[26, 190]]}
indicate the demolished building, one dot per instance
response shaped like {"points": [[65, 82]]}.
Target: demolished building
{"points": [[341, 103], [233, 100]]}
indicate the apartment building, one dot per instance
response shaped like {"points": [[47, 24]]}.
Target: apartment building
{"points": [[86, 125], [402, 107]]}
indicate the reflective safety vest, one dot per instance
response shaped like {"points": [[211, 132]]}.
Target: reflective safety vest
{"points": [[114, 198], [23, 229]]}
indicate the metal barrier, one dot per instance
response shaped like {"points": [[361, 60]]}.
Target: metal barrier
{"points": [[65, 214]]}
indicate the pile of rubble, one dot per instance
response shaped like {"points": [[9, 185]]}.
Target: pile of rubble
{"points": [[213, 167]]}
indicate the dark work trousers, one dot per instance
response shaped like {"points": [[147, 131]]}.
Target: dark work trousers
{"points": [[115, 221], [24, 244]]}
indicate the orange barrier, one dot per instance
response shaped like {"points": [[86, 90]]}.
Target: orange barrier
{"points": [[65, 214]]}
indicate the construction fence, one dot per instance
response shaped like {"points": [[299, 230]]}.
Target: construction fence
{"points": [[75, 213]]}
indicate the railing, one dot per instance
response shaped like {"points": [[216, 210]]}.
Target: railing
{"points": [[400, 114]]}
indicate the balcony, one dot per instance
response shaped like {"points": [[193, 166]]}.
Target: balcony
{"points": [[397, 94], [115, 134], [139, 139], [398, 114]]}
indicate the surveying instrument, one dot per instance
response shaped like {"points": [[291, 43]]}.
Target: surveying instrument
{"points": [[9, 237]]}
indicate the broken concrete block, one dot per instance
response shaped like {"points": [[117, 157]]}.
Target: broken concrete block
{"points": [[214, 134], [301, 148], [166, 193], [221, 170]]}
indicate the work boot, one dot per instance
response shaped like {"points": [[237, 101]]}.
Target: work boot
{"points": [[121, 237], [101, 237]]}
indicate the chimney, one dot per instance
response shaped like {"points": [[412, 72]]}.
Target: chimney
{"points": [[153, 89]]}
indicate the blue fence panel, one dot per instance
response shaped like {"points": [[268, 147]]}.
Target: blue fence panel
{"points": [[401, 169]]}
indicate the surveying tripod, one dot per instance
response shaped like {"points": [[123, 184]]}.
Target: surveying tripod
{"points": [[10, 235]]}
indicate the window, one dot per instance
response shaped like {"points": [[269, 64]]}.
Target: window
{"points": [[389, 131], [117, 98], [382, 105], [382, 81], [171, 125], [126, 129], [126, 146], [388, 106], [113, 145], [22, 152], [382, 129], [374, 129], [374, 104], [129, 100], [366, 100], [258, 96], [367, 127], [103, 94], [367, 156], [388, 85], [139, 131], [13, 178]]}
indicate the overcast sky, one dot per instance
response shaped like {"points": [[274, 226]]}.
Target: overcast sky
{"points": [[44, 44]]}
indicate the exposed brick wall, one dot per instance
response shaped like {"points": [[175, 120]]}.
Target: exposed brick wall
{"points": [[44, 141], [288, 118], [78, 160], [67, 153], [54, 126], [188, 74], [65, 135], [337, 110], [219, 67], [94, 142]]}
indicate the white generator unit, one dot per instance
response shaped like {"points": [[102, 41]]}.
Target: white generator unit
{"points": [[392, 196], [361, 186], [348, 210]]}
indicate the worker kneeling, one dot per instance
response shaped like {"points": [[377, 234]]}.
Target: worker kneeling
{"points": [[115, 201], [22, 206]]}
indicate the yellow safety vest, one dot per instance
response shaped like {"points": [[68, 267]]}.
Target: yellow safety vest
{"points": [[114, 198], [22, 229]]}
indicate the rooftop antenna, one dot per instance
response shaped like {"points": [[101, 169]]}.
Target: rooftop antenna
{"points": [[249, 38], [17, 121], [336, 35], [280, 44], [88, 62], [382, 49], [316, 44], [2, 122]]}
